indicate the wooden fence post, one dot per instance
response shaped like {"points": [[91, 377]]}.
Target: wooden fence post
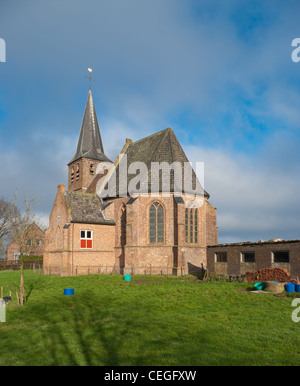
{"points": [[17, 295]]}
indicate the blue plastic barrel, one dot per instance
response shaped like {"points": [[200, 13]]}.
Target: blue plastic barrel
{"points": [[297, 287], [68, 291], [290, 287], [127, 277]]}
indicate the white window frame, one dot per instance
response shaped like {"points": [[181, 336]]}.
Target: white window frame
{"points": [[17, 256], [86, 238]]}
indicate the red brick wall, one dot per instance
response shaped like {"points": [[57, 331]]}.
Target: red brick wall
{"points": [[63, 250], [63, 254], [174, 252], [11, 250], [85, 175]]}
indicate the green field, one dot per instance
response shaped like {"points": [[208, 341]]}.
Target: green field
{"points": [[148, 321]]}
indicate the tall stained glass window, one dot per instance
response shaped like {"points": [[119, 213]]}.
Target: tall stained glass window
{"points": [[191, 225], [156, 223]]}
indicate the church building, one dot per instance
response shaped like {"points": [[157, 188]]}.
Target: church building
{"points": [[146, 212]]}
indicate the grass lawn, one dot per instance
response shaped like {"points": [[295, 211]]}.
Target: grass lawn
{"points": [[149, 321]]}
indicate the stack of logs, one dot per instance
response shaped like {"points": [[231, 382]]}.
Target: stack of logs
{"points": [[270, 274]]}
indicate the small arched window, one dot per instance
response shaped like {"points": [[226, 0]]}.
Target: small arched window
{"points": [[77, 172], [72, 174], [156, 223], [92, 169]]}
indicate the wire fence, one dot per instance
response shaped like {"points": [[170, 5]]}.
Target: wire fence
{"points": [[150, 270], [15, 265]]}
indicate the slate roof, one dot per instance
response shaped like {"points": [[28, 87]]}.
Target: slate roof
{"points": [[90, 142], [160, 147], [86, 208]]}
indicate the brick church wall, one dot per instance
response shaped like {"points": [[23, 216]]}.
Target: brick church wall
{"points": [[81, 173], [174, 252], [64, 255]]}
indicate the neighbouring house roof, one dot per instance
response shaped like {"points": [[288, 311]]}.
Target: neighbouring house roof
{"points": [[86, 208], [90, 142], [157, 148]]}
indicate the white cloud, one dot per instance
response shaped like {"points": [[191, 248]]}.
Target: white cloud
{"points": [[255, 197]]}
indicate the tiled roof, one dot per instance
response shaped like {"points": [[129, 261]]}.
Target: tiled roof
{"points": [[160, 147], [86, 208]]}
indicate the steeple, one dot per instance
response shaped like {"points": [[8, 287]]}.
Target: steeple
{"points": [[89, 153], [90, 142]]}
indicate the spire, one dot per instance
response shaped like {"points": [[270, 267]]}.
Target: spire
{"points": [[90, 142]]}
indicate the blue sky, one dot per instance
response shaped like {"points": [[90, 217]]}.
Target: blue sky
{"points": [[219, 72]]}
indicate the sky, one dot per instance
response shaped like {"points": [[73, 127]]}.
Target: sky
{"points": [[219, 72]]}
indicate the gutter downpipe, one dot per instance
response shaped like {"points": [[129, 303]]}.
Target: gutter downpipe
{"points": [[72, 249]]}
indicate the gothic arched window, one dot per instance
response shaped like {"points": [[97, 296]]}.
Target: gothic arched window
{"points": [[156, 223], [186, 225], [123, 225], [196, 226], [191, 225]]}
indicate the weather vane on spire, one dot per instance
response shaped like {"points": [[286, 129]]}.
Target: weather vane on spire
{"points": [[90, 70]]}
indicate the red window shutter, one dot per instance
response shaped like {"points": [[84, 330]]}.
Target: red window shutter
{"points": [[82, 243], [89, 244]]}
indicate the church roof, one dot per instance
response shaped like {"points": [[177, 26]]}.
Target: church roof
{"points": [[86, 208], [160, 147], [90, 142]]}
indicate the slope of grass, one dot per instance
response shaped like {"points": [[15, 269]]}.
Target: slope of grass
{"points": [[148, 321]]}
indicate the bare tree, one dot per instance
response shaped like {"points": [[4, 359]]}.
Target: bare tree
{"points": [[20, 231], [21, 222], [7, 211], [5, 216], [17, 223]]}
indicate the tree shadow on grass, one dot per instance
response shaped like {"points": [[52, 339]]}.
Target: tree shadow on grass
{"points": [[33, 285], [87, 330], [83, 338]]}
